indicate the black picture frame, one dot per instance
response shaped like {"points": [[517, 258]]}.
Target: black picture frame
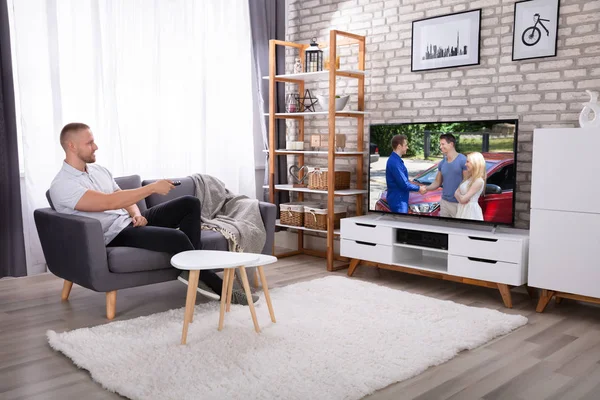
{"points": [[425, 55], [526, 34]]}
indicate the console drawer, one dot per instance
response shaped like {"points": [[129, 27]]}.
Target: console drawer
{"points": [[486, 270], [482, 247], [366, 231], [367, 251]]}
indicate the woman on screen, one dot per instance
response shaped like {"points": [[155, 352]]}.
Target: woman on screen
{"points": [[471, 188], [396, 176]]}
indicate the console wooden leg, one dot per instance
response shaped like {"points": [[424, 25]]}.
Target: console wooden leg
{"points": [[505, 292], [111, 304], [353, 264], [533, 293], [67, 285], [557, 299], [544, 300]]}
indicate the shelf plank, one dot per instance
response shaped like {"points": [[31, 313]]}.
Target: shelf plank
{"points": [[432, 264], [313, 76], [315, 152], [301, 228], [352, 114], [410, 246], [343, 192]]}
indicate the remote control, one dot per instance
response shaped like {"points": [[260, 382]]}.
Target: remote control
{"points": [[176, 183]]}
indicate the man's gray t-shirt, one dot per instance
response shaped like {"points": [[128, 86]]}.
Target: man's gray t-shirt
{"points": [[69, 186], [452, 174]]}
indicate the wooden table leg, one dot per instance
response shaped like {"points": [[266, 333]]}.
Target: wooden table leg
{"points": [[353, 264], [263, 281], [505, 292], [249, 296], [544, 300], [190, 301], [224, 290], [230, 288]]}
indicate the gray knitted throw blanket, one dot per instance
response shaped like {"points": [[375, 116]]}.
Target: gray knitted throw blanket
{"points": [[236, 217]]}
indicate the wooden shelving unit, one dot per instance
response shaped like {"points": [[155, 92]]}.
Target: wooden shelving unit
{"points": [[336, 38]]}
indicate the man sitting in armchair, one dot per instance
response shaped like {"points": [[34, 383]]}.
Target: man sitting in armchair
{"points": [[84, 188]]}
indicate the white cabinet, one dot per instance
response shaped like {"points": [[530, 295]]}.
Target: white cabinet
{"points": [[565, 214], [456, 252]]}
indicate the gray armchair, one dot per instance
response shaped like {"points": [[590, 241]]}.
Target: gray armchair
{"points": [[74, 247]]}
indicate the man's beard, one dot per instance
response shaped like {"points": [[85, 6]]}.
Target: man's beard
{"points": [[88, 159]]}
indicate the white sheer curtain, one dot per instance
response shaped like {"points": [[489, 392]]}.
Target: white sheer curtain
{"points": [[165, 85]]}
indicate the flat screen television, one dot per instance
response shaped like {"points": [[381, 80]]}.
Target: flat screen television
{"points": [[395, 178]]}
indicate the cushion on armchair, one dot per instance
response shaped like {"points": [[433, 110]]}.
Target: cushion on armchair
{"points": [[129, 259]]}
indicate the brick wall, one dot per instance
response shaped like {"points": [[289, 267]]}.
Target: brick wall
{"points": [[545, 92]]}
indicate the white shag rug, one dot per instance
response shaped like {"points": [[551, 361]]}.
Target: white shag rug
{"points": [[335, 338]]}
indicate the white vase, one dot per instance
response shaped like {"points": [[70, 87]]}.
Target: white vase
{"points": [[590, 107]]}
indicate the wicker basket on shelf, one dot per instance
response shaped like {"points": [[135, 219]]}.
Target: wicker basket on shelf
{"points": [[317, 179], [292, 214], [316, 217]]}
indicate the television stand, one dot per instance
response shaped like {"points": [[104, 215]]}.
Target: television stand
{"points": [[465, 254]]}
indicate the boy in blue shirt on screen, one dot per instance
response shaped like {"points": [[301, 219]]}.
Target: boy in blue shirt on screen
{"points": [[451, 172]]}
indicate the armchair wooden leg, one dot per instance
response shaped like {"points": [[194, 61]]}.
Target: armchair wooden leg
{"points": [[111, 304], [66, 290]]}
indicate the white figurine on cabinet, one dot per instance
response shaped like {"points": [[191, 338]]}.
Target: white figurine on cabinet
{"points": [[590, 107], [298, 66]]}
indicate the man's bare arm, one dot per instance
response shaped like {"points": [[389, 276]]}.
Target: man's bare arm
{"points": [[94, 201], [436, 183]]}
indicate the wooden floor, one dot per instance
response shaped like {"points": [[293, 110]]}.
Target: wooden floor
{"points": [[555, 356]]}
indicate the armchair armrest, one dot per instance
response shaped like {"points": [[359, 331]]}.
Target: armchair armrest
{"points": [[73, 246], [268, 212]]}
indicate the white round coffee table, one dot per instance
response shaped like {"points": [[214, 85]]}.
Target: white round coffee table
{"points": [[197, 260]]}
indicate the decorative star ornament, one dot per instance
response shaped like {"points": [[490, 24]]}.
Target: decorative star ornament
{"points": [[302, 101]]}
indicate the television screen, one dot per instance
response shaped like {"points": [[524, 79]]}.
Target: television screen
{"points": [[451, 170]]}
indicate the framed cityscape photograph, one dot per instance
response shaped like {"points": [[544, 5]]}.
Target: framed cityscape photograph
{"points": [[535, 29], [446, 41]]}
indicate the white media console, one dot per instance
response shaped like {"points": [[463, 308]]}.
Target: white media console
{"points": [[477, 255]]}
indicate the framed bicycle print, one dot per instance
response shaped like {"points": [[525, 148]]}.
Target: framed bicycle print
{"points": [[535, 30], [446, 41]]}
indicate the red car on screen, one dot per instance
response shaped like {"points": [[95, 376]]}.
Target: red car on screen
{"points": [[497, 204]]}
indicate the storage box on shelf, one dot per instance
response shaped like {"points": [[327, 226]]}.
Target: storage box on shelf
{"points": [[316, 217], [473, 255], [331, 183]]}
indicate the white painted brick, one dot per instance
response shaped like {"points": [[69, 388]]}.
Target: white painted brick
{"points": [[446, 84], [549, 107], [584, 61], [575, 41], [476, 81], [524, 97], [479, 100], [543, 76], [437, 94], [459, 93], [539, 117], [560, 64], [457, 102], [438, 11], [556, 85], [575, 73], [428, 4], [589, 84]]}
